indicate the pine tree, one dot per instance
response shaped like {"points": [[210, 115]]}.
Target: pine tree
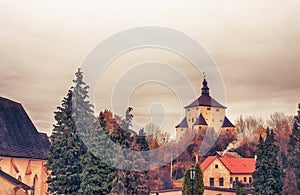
{"points": [[65, 152], [260, 168], [241, 189], [199, 185], [290, 183], [187, 185], [294, 147], [274, 180], [267, 175], [97, 173]]}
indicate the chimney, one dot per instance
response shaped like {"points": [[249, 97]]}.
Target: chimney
{"points": [[255, 157]]}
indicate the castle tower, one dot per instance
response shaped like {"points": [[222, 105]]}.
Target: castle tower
{"points": [[204, 112]]}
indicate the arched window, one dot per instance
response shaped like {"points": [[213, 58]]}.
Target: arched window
{"points": [[34, 186], [20, 178]]}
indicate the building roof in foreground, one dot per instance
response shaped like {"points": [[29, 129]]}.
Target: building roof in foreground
{"points": [[233, 165], [18, 135], [14, 180]]}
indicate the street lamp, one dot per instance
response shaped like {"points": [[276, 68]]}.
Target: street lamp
{"points": [[192, 176]]}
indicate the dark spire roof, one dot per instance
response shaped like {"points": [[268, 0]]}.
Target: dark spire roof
{"points": [[205, 99], [227, 123], [205, 89], [14, 180], [200, 121], [183, 124], [18, 136]]}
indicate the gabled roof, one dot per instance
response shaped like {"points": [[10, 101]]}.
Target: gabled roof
{"points": [[227, 123], [14, 180], [18, 136], [200, 121], [182, 124], [233, 165]]}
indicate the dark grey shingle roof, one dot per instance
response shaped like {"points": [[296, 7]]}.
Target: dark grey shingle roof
{"points": [[183, 124], [18, 136], [227, 123], [200, 120]]}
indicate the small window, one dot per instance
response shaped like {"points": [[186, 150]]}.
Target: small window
{"points": [[220, 120], [217, 110], [245, 179], [231, 180], [236, 180], [211, 181], [188, 109], [216, 166], [208, 108], [192, 120], [250, 179], [221, 181], [197, 108], [181, 129], [213, 120], [189, 119]]}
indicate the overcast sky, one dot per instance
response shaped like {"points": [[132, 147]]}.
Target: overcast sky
{"points": [[255, 44]]}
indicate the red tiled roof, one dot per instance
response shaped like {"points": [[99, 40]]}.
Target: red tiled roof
{"points": [[207, 162], [239, 165], [234, 165]]}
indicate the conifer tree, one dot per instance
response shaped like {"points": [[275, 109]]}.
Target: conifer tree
{"points": [[267, 175], [260, 168], [199, 185], [97, 173], [290, 183], [73, 120], [241, 189], [187, 185], [294, 147], [65, 152]]}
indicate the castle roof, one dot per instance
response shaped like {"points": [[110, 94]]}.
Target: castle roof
{"points": [[18, 136], [233, 165], [200, 121], [227, 123], [183, 124], [205, 99]]}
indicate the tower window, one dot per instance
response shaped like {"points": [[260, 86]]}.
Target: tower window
{"points": [[188, 109], [217, 110], [208, 108], [192, 120]]}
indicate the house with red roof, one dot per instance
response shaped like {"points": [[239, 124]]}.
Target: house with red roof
{"points": [[221, 173]]}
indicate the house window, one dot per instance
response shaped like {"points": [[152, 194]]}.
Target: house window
{"points": [[231, 180], [216, 166], [250, 179], [245, 179], [211, 181], [221, 181], [236, 180], [208, 108], [217, 110]]}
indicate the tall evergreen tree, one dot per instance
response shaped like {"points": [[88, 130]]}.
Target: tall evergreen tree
{"points": [[199, 185], [260, 168], [267, 175], [65, 152], [290, 183], [97, 173], [187, 185], [294, 147], [73, 120]]}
